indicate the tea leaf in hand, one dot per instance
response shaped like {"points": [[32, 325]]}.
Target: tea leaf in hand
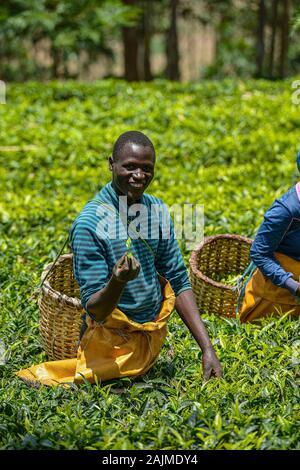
{"points": [[128, 246]]}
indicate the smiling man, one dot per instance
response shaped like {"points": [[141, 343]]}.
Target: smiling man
{"points": [[129, 298], [128, 294]]}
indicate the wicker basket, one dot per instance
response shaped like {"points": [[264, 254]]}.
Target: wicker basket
{"points": [[217, 256], [60, 310]]}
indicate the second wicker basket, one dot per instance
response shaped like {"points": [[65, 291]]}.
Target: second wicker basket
{"points": [[215, 258]]}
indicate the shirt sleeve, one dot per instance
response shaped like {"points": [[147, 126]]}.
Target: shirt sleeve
{"points": [[89, 262], [276, 223], [168, 261]]}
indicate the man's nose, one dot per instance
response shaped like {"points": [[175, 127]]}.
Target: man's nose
{"points": [[139, 174]]}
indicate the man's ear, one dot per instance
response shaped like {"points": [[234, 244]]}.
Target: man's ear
{"points": [[110, 163]]}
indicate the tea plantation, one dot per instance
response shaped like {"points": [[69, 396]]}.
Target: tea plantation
{"points": [[229, 145]]}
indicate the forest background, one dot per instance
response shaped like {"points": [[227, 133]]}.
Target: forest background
{"points": [[145, 39]]}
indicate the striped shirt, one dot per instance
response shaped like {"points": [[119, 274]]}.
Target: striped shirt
{"points": [[98, 237]]}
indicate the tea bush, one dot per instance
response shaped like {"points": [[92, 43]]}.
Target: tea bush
{"points": [[229, 145]]}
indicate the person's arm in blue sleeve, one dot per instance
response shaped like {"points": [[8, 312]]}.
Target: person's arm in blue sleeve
{"points": [[276, 223]]}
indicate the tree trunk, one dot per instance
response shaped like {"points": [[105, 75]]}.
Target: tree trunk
{"points": [[147, 40], [172, 70], [260, 39], [130, 44], [274, 16], [56, 60], [284, 43]]}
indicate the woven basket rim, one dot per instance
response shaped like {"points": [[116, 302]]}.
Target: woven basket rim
{"points": [[48, 289], [207, 240]]}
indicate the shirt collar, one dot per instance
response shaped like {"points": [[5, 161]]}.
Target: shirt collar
{"points": [[109, 195]]}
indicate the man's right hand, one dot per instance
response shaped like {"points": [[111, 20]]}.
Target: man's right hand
{"points": [[126, 269]]}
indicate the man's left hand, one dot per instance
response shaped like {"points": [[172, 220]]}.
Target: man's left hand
{"points": [[210, 364]]}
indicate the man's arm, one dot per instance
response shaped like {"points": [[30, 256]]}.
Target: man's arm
{"points": [[169, 263], [188, 311], [102, 303]]}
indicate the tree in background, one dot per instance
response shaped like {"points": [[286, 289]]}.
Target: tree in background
{"points": [[235, 26], [137, 42], [253, 37], [296, 20], [172, 53], [284, 36], [147, 32], [274, 19], [260, 38], [273, 22], [294, 45], [79, 29], [130, 45], [273, 27]]}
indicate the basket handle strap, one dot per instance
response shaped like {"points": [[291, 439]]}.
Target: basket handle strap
{"points": [[37, 290]]}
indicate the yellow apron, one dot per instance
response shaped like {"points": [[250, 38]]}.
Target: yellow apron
{"points": [[119, 347], [263, 298]]}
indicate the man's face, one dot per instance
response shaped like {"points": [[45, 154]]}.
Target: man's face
{"points": [[133, 170]]}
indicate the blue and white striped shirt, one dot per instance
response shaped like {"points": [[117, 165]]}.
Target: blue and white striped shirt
{"points": [[98, 241]]}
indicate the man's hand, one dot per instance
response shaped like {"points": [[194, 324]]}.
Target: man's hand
{"points": [[187, 309], [210, 364], [126, 269], [102, 303]]}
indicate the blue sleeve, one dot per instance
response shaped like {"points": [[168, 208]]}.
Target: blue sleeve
{"points": [[89, 263], [168, 261], [276, 223]]}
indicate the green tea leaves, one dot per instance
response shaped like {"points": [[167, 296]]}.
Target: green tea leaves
{"points": [[128, 246], [218, 143]]}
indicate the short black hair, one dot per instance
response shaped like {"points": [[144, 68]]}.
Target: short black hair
{"points": [[134, 137]]}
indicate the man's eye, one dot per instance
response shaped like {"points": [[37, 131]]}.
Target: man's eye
{"points": [[133, 168]]}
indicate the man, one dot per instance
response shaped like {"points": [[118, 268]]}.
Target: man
{"points": [[109, 279], [127, 291]]}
